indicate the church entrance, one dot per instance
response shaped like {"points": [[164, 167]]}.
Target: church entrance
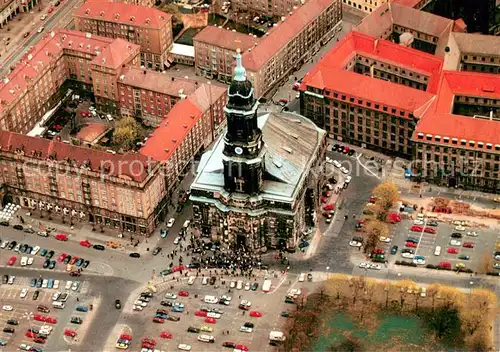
{"points": [[241, 241]]}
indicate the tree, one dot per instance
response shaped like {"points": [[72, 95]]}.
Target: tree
{"points": [[405, 288], [172, 9], [432, 292], [127, 131], [357, 284], [445, 322], [386, 194], [450, 297], [480, 304], [486, 263], [349, 344], [374, 230]]}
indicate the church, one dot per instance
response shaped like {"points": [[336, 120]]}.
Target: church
{"points": [[257, 188]]}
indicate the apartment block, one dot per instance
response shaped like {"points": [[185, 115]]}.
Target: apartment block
{"points": [[125, 192], [366, 6], [10, 8], [291, 43], [371, 92], [145, 26], [30, 90], [457, 142], [214, 51], [146, 3]]}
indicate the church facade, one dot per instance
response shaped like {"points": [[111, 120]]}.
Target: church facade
{"points": [[257, 188]]}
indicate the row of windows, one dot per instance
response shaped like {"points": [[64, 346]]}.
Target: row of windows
{"points": [[455, 141]]}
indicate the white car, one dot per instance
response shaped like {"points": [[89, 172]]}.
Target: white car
{"points": [[213, 315], [44, 16], [75, 286], [177, 240], [56, 284], [418, 222], [302, 277], [24, 261], [459, 228], [45, 283], [138, 308], [437, 251], [355, 244], [344, 170], [385, 239], [191, 280], [56, 296], [245, 329], [239, 285], [7, 308], [184, 347], [35, 250], [226, 298], [455, 242], [472, 233], [408, 255], [336, 164], [363, 265], [25, 347], [12, 278], [247, 286], [232, 284], [17, 247], [170, 295], [419, 260], [170, 222], [294, 292], [141, 303], [374, 266], [24, 293], [348, 179], [204, 281], [4, 244], [68, 285], [246, 303], [40, 30], [30, 260]]}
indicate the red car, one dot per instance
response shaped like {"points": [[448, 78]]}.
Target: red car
{"points": [[378, 251], [445, 210], [429, 230], [147, 346], [61, 237], [445, 265], [200, 313], [177, 268], [39, 317], [51, 320], [411, 244], [416, 228], [372, 200], [50, 10], [39, 339], [61, 257], [166, 335], [73, 260], [30, 334], [241, 348], [324, 199], [183, 293], [85, 243], [393, 218], [255, 314], [452, 250], [210, 320], [75, 273], [151, 341], [158, 320], [69, 332], [126, 337], [329, 207], [12, 261], [469, 244]]}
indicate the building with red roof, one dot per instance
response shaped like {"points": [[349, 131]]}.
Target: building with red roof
{"points": [[371, 92], [124, 191], [147, 3], [145, 26]]}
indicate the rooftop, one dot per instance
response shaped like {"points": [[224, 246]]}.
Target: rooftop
{"points": [[291, 143], [330, 72], [484, 45], [91, 131], [48, 49], [116, 54], [225, 38], [120, 12], [182, 49], [172, 131], [440, 121], [278, 37], [130, 166]]}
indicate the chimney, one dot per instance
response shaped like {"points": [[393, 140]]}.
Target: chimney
{"points": [[375, 44]]}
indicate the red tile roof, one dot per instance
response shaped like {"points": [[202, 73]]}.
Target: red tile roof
{"points": [[330, 72], [131, 166], [117, 53], [172, 131], [128, 14], [441, 122], [91, 131], [226, 39], [279, 36], [47, 50], [409, 3]]}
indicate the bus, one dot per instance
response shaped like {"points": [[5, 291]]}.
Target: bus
{"points": [[266, 286]]}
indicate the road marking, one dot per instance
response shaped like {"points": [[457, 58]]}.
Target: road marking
{"points": [[366, 168]]}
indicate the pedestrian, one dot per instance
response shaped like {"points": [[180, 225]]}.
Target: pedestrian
{"points": [[77, 299]]}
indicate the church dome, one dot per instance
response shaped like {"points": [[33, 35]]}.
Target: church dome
{"points": [[240, 94]]}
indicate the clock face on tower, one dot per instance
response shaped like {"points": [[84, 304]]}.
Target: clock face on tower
{"points": [[238, 150]]}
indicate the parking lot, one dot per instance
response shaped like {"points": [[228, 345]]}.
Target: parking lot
{"points": [[270, 305], [470, 257], [25, 313]]}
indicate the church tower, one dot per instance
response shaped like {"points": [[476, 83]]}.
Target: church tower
{"points": [[243, 147]]}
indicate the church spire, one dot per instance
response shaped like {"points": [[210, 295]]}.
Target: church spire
{"points": [[240, 74]]}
